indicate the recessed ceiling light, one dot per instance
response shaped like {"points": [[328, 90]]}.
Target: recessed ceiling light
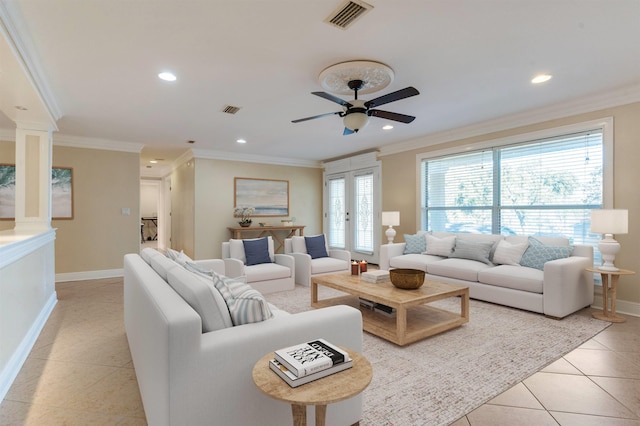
{"points": [[167, 76], [541, 78], [241, 141], [153, 161], [387, 127]]}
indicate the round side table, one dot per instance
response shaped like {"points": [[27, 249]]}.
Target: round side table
{"points": [[333, 388], [612, 277]]}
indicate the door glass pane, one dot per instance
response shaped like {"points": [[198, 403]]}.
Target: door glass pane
{"points": [[363, 217], [337, 205]]}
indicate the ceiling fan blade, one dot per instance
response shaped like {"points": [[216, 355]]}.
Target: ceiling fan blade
{"points": [[391, 97], [347, 131], [332, 98], [315, 116], [392, 116]]}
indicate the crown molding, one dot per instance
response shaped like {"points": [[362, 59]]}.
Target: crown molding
{"points": [[615, 98], [95, 143], [15, 31], [249, 158]]}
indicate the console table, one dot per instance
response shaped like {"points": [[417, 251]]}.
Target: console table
{"points": [[240, 233]]}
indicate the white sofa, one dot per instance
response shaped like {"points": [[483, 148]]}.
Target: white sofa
{"points": [[277, 275], [190, 377], [306, 267], [561, 288]]}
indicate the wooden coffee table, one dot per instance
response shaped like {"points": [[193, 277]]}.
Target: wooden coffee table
{"points": [[414, 320]]}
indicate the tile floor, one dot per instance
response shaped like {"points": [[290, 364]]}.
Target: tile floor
{"points": [[80, 373]]}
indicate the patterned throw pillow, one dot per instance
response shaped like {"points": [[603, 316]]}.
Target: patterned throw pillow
{"points": [[538, 254], [440, 246], [508, 253], [415, 244], [472, 250], [246, 305]]}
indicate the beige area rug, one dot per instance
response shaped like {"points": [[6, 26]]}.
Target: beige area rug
{"points": [[440, 379]]}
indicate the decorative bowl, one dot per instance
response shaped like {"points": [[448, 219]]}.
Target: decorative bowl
{"points": [[407, 279]]}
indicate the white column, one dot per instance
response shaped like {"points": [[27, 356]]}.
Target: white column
{"points": [[33, 179]]}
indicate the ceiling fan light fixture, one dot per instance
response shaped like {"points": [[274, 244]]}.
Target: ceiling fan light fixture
{"points": [[355, 121]]}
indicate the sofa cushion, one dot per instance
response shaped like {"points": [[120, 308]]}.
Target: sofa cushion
{"points": [[147, 253], [324, 265], [202, 296], [509, 253], [266, 271], [513, 276], [413, 261], [472, 250], [162, 265], [256, 251], [245, 304], [537, 254], [415, 244], [440, 246], [316, 246], [236, 249], [462, 269]]}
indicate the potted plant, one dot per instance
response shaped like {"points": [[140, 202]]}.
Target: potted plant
{"points": [[245, 213]]}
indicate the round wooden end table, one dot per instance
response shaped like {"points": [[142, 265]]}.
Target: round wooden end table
{"points": [[609, 276], [333, 388]]}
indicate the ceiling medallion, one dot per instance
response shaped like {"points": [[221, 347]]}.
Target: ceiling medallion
{"points": [[375, 75]]}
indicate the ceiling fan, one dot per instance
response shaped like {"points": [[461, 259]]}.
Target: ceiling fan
{"points": [[356, 113]]}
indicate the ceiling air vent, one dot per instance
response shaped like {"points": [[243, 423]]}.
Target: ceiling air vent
{"points": [[230, 109], [348, 13]]}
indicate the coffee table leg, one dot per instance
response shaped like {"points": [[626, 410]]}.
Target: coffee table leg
{"points": [[299, 414], [401, 324], [321, 415]]}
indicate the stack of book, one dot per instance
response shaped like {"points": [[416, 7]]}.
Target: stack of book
{"points": [[378, 307], [306, 362], [375, 277]]}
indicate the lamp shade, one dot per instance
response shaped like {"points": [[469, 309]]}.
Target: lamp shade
{"points": [[390, 218], [610, 221]]}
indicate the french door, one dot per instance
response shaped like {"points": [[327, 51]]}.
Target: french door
{"points": [[352, 206]]}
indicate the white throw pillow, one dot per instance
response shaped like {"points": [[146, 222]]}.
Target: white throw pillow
{"points": [[440, 246], [509, 254], [178, 257]]}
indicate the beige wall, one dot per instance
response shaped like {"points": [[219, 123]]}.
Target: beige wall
{"points": [[399, 182], [104, 182], [214, 201], [99, 235]]}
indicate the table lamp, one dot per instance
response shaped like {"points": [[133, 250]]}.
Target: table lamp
{"points": [[609, 222], [390, 219]]}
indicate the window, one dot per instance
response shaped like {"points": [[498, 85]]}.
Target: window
{"points": [[538, 187]]}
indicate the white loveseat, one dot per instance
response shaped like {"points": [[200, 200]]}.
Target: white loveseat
{"points": [[190, 377], [560, 288]]}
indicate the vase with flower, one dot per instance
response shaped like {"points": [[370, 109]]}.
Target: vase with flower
{"points": [[244, 213]]}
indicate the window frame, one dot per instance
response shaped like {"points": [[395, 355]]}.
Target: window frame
{"points": [[604, 124]]}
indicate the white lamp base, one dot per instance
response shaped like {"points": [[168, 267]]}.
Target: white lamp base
{"points": [[391, 234], [608, 247]]}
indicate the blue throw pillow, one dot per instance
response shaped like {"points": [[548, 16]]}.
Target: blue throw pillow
{"points": [[256, 251], [316, 246], [415, 244], [537, 254]]}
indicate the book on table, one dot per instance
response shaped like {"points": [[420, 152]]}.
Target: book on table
{"points": [[310, 357], [295, 381]]}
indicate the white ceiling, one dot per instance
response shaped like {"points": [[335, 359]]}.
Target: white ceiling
{"points": [[471, 60]]}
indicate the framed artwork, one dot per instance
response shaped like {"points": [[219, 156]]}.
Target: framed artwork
{"points": [[61, 192], [267, 196]]}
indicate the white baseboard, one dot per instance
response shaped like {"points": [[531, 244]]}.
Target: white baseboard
{"points": [[89, 275], [622, 306], [10, 372]]}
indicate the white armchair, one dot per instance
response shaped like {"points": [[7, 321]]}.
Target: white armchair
{"points": [[274, 272], [306, 267]]}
